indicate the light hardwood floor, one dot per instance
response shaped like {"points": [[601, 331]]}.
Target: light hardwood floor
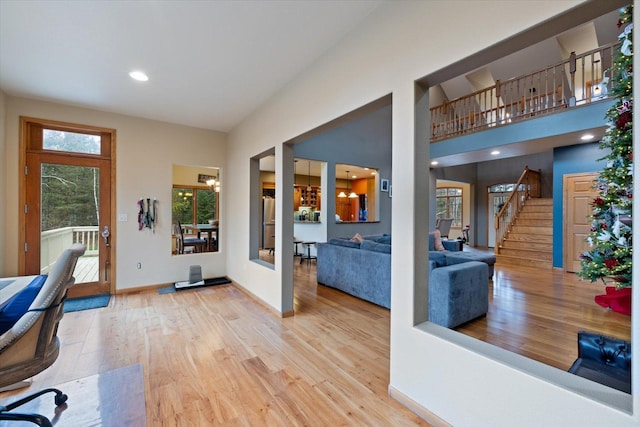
{"points": [[216, 356], [538, 312]]}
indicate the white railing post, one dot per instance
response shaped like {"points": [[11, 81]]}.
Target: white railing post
{"points": [[53, 242]]}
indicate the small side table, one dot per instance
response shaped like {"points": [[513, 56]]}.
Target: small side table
{"points": [[307, 256]]}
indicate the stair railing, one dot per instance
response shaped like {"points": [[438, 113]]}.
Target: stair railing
{"points": [[528, 186]]}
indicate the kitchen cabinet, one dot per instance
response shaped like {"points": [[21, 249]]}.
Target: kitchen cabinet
{"points": [[303, 197]]}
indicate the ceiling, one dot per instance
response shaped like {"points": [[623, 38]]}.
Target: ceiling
{"points": [[583, 38], [210, 63]]}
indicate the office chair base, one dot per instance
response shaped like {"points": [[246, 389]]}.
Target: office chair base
{"points": [[60, 398]]}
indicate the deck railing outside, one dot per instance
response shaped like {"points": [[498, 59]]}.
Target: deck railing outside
{"points": [[579, 80], [53, 242]]}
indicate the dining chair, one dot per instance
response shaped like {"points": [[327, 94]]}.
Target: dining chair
{"points": [[444, 225], [195, 244]]}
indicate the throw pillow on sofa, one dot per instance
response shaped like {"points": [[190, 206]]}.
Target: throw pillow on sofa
{"points": [[434, 237], [357, 238]]}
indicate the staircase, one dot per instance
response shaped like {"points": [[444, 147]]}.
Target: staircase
{"points": [[530, 238]]}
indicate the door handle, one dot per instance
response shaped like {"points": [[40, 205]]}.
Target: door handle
{"points": [[105, 235]]}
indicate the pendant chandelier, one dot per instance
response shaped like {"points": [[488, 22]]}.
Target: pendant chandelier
{"points": [[352, 194], [213, 184]]}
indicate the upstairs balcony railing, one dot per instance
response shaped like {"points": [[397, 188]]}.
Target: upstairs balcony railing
{"points": [[579, 80]]}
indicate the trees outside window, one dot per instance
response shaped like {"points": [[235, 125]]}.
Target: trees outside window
{"points": [[449, 205], [193, 205]]}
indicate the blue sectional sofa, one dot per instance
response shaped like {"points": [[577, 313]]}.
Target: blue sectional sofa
{"points": [[458, 286], [359, 269]]}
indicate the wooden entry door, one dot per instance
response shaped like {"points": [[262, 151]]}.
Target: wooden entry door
{"points": [[67, 199], [578, 195]]}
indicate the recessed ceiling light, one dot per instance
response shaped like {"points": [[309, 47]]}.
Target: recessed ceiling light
{"points": [[495, 152], [434, 162], [586, 137], [139, 76]]}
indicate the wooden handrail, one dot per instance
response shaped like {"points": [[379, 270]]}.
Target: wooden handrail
{"points": [[528, 186]]}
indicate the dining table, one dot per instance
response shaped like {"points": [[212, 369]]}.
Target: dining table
{"points": [[210, 230]]}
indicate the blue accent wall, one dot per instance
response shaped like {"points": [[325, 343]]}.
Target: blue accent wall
{"points": [[567, 160]]}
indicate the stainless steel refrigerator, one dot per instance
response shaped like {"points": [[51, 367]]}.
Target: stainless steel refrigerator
{"points": [[268, 223]]}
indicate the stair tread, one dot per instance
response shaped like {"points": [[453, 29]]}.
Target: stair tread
{"points": [[525, 250], [513, 260], [527, 254], [526, 244]]}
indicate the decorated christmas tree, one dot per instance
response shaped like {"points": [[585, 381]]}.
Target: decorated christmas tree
{"points": [[610, 245]]}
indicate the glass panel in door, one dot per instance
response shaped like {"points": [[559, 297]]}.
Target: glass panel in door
{"points": [[70, 213], [496, 202]]}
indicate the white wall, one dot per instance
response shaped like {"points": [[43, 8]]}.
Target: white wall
{"points": [[145, 153], [400, 43]]}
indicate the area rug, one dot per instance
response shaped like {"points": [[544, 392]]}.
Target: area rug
{"points": [[86, 303], [167, 290]]}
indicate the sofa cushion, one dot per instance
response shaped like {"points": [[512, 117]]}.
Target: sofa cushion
{"points": [[458, 293], [379, 238], [438, 257], [452, 245], [370, 245], [460, 257], [432, 266], [344, 242], [385, 239]]}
